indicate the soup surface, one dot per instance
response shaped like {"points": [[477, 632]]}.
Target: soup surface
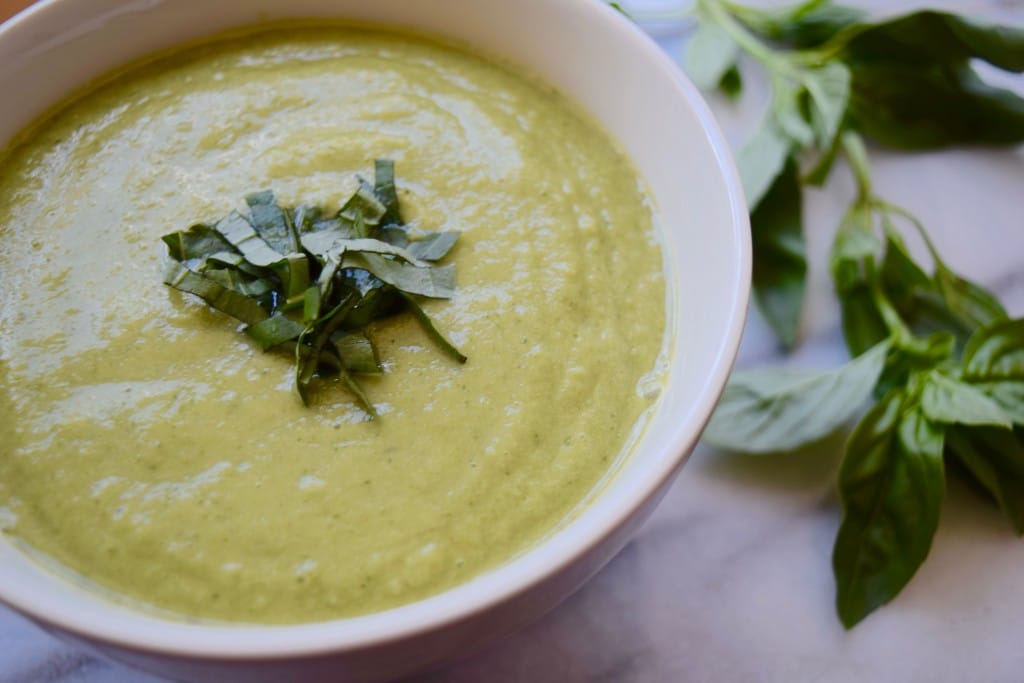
{"points": [[147, 445]]}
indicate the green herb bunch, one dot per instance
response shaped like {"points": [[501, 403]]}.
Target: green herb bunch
{"points": [[310, 283], [937, 354]]}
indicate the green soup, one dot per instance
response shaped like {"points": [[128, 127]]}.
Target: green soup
{"points": [[147, 445]]}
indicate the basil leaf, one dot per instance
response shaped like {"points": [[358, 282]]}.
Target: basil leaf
{"points": [[902, 279], [357, 391], [222, 298], [803, 25], [996, 352], [995, 458], [437, 282], [341, 228], [396, 235], [914, 294], [233, 260], [304, 217], [972, 305], [911, 356], [994, 363], [731, 83], [1008, 394], [772, 410], [434, 246], [891, 484], [363, 205], [293, 272], [311, 342], [780, 260], [852, 261], [330, 363], [855, 243], [198, 242], [253, 288], [377, 302], [913, 107], [311, 304], [272, 223], [930, 37], [946, 400], [817, 176], [914, 87], [428, 325], [334, 244], [274, 331], [788, 110], [384, 189], [945, 301], [240, 234], [368, 245], [761, 161], [357, 353], [321, 242], [708, 55], [829, 90]]}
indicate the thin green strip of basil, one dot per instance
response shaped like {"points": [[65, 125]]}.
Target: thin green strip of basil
{"points": [[217, 295], [431, 330]]}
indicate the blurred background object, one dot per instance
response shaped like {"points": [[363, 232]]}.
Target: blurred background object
{"points": [[658, 17], [9, 7]]}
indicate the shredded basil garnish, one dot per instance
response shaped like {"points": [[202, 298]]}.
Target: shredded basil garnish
{"points": [[310, 285]]}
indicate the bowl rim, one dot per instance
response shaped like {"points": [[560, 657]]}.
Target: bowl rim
{"points": [[208, 641]]}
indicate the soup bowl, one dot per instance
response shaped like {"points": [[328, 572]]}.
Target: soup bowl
{"points": [[595, 57]]}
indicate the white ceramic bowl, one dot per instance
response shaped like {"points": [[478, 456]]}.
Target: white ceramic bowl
{"points": [[598, 58]]}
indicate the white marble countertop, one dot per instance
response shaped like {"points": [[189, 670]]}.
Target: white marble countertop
{"points": [[731, 578]]}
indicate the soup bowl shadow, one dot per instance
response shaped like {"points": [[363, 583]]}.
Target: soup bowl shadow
{"points": [[597, 58]]}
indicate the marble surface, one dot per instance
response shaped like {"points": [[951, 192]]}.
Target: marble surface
{"points": [[731, 578]]}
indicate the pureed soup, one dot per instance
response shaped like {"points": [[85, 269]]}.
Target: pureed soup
{"points": [[146, 445]]}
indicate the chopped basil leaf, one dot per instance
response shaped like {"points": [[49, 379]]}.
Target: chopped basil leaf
{"points": [[238, 281], [240, 233], [357, 352], [368, 245], [321, 242], [311, 283], [434, 246], [274, 331], [293, 271], [304, 217], [428, 325], [272, 223], [437, 282], [222, 298], [363, 205], [196, 242], [384, 189]]}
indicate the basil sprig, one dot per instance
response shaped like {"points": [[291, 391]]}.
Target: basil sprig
{"points": [[310, 284], [937, 353], [946, 366], [907, 82]]}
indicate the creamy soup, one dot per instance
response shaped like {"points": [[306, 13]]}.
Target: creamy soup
{"points": [[147, 445]]}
